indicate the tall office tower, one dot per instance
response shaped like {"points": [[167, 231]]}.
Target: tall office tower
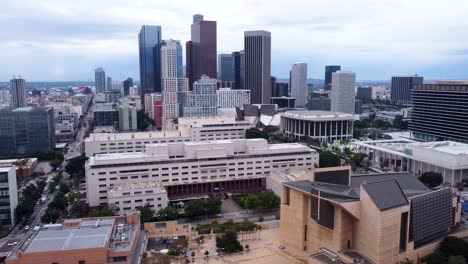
{"points": [[26, 130], [229, 98], [329, 69], [149, 42], [242, 69], [257, 47], [18, 92], [108, 84], [127, 118], [203, 100], [8, 196], [225, 67], [201, 50], [440, 111], [236, 69], [299, 83], [100, 80], [364, 93], [401, 88], [173, 82], [273, 86], [343, 92], [126, 86]]}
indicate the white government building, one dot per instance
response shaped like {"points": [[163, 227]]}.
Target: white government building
{"points": [[189, 129], [183, 170], [232, 98], [446, 157]]}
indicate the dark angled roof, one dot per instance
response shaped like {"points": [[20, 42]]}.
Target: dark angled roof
{"points": [[390, 189], [269, 110], [386, 194], [251, 110], [408, 183]]}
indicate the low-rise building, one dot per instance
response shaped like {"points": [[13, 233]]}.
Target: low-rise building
{"points": [[8, 196], [195, 169], [24, 167], [381, 218], [323, 126], [189, 129], [445, 157], [85, 240]]}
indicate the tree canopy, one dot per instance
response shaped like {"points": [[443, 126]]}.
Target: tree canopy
{"points": [[431, 179], [328, 159], [228, 242], [256, 133]]}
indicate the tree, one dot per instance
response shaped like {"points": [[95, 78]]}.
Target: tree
{"points": [[207, 253], [167, 214], [213, 206], [431, 179], [59, 202], [55, 163], [255, 133], [456, 260], [79, 209], [106, 210], [76, 165], [251, 202], [453, 246], [50, 215], [328, 159], [396, 169], [261, 219], [195, 208], [146, 213], [268, 200], [459, 186], [247, 247], [347, 151], [142, 120], [228, 242], [406, 261]]}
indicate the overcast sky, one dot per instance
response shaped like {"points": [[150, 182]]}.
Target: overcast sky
{"points": [[61, 40]]}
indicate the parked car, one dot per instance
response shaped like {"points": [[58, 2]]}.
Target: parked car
{"points": [[13, 244]]}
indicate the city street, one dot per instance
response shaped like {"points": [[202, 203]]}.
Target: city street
{"points": [[20, 234]]}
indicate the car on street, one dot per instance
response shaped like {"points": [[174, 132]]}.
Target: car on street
{"points": [[12, 244], [26, 228]]}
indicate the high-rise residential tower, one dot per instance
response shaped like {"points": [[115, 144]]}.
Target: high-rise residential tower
{"points": [[201, 50], [257, 48], [343, 92], [401, 88], [126, 86], [298, 83], [329, 69], [203, 100], [225, 67], [149, 40], [100, 80], [18, 92]]}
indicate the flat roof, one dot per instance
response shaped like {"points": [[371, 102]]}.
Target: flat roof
{"points": [[133, 135], [326, 115], [68, 238], [449, 147]]}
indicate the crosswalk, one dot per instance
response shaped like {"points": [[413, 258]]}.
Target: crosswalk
{"points": [[18, 236], [5, 254]]}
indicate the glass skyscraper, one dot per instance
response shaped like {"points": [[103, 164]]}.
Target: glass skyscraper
{"points": [[100, 80], [149, 40], [329, 69], [225, 67]]}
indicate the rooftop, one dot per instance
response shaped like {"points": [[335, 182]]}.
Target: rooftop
{"points": [[327, 115], [398, 186], [449, 147], [128, 136]]}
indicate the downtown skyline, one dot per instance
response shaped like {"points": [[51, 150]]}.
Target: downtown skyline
{"points": [[65, 41]]}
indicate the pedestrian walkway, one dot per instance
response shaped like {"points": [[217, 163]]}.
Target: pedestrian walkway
{"points": [[5, 254], [18, 236]]}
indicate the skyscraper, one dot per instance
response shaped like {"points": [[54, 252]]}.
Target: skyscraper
{"points": [[149, 41], [109, 84], [236, 69], [257, 48], [201, 50], [173, 82], [329, 69], [299, 83], [401, 88], [342, 92], [126, 86], [225, 67], [100, 80], [18, 92], [242, 69]]}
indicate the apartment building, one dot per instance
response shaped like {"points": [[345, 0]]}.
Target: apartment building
{"points": [[189, 129], [86, 240], [8, 196], [190, 169], [334, 217]]}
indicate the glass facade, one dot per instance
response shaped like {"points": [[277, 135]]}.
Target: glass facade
{"points": [[149, 40]]}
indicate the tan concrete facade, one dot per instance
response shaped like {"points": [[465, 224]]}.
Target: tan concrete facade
{"points": [[359, 226]]}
